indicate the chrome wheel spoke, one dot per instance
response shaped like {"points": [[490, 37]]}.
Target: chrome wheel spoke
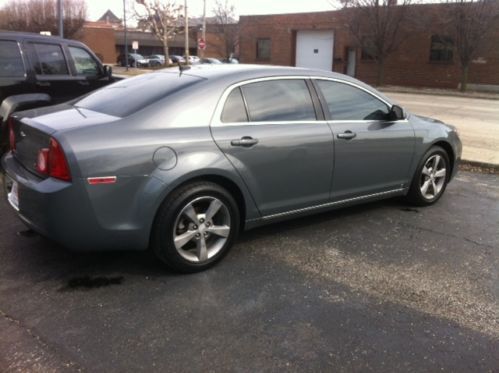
{"points": [[434, 187], [426, 171], [441, 173], [182, 239], [219, 230], [426, 185], [436, 162], [202, 250], [190, 212], [213, 209]]}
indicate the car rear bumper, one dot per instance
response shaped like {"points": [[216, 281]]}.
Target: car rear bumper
{"points": [[61, 212]]}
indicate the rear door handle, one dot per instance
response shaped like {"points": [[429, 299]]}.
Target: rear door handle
{"points": [[43, 84], [246, 141], [83, 82], [347, 135]]}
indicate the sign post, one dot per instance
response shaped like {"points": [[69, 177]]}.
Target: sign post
{"points": [[135, 47]]}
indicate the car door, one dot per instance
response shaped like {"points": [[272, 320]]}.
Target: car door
{"points": [[373, 153], [269, 131]]}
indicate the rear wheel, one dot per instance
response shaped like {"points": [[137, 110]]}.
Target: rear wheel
{"points": [[431, 177], [195, 227]]}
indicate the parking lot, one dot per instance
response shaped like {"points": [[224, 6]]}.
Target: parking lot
{"points": [[378, 287]]}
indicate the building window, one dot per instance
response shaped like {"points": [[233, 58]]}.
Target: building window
{"points": [[442, 49], [367, 49], [263, 49]]}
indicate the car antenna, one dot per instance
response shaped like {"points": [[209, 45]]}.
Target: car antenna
{"points": [[182, 68]]}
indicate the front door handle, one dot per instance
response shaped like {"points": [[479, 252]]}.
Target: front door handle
{"points": [[347, 135], [83, 82], [43, 84], [246, 141]]}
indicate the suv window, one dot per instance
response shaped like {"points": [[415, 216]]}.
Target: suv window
{"points": [[350, 103], [234, 109], [279, 100], [84, 62], [51, 60], [11, 62]]}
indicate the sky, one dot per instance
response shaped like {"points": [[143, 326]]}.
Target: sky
{"points": [[95, 8]]}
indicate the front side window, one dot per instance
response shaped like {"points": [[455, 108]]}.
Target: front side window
{"points": [[442, 49], [50, 59], [11, 62], [263, 47], [346, 102], [84, 63], [279, 100]]}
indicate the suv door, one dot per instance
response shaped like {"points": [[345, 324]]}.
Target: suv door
{"points": [[51, 70], [373, 153], [13, 74], [269, 131], [87, 70]]}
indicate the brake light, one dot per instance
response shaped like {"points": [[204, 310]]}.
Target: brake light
{"points": [[52, 161], [12, 135]]}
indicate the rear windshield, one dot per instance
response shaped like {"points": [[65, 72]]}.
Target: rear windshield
{"points": [[131, 95]]}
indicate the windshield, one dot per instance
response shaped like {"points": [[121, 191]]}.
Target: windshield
{"points": [[130, 95]]}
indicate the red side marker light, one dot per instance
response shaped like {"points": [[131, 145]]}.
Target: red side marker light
{"points": [[102, 180]]}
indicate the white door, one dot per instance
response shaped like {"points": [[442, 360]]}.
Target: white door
{"points": [[314, 49]]}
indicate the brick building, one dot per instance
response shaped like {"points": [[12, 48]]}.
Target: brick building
{"points": [[106, 38], [321, 40]]}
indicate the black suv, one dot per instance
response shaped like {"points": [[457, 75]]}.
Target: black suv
{"points": [[38, 70]]}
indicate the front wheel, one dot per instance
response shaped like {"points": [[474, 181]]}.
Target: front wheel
{"points": [[195, 227], [431, 177]]}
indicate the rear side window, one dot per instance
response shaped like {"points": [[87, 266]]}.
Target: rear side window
{"points": [[350, 103], [279, 100], [50, 59], [11, 62], [234, 109], [84, 62], [133, 94]]}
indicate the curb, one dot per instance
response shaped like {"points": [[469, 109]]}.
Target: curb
{"points": [[482, 166], [431, 93]]}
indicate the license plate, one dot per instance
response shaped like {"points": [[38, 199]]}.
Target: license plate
{"points": [[13, 192]]}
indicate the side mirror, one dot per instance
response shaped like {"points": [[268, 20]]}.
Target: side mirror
{"points": [[397, 113], [108, 71]]}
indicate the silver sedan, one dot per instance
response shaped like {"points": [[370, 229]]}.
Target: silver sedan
{"points": [[182, 161]]}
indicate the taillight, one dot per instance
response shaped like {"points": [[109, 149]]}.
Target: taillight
{"points": [[52, 162], [12, 135]]}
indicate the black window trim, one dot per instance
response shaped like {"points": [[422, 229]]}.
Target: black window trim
{"points": [[217, 117], [325, 106]]}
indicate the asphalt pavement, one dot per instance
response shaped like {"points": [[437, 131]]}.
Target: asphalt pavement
{"points": [[377, 287]]}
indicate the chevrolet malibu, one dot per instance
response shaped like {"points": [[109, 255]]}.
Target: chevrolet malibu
{"points": [[182, 161]]}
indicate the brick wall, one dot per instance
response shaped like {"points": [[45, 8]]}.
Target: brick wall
{"points": [[101, 40], [409, 66]]}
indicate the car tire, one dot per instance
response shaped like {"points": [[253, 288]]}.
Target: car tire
{"points": [[431, 178], [195, 227]]}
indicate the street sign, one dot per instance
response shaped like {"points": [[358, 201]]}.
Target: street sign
{"points": [[201, 44], [135, 45]]}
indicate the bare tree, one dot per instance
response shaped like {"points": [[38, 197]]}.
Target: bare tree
{"points": [[161, 18], [379, 27], [469, 22], [41, 15], [225, 17]]}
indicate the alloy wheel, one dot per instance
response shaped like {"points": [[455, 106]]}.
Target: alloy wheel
{"points": [[433, 177], [201, 229]]}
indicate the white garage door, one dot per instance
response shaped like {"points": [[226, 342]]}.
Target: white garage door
{"points": [[314, 49]]}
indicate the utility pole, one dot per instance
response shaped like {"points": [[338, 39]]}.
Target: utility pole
{"points": [[204, 28], [126, 35], [186, 33], [60, 16]]}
